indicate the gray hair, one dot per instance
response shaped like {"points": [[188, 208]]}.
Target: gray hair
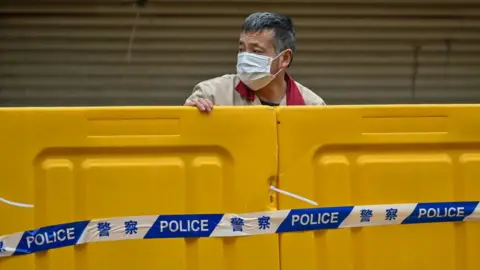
{"points": [[282, 26]]}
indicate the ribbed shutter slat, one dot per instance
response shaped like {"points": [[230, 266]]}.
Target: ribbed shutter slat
{"points": [[349, 52]]}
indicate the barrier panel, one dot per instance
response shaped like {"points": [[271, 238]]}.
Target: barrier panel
{"points": [[364, 155], [61, 165], [112, 171]]}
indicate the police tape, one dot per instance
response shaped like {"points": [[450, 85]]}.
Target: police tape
{"points": [[231, 225]]}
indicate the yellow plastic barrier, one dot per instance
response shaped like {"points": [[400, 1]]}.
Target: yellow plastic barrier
{"points": [[380, 155], [76, 164]]}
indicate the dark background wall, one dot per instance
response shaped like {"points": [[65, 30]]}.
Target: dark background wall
{"points": [[114, 52]]}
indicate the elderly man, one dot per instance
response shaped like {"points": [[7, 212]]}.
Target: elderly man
{"points": [[266, 48]]}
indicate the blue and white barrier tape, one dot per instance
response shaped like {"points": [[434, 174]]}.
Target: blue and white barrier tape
{"points": [[227, 225]]}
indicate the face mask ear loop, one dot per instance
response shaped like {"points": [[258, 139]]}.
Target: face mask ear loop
{"points": [[273, 59], [280, 70]]}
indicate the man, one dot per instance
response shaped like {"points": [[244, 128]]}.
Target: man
{"points": [[266, 48]]}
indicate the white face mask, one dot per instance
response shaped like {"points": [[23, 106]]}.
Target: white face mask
{"points": [[254, 69]]}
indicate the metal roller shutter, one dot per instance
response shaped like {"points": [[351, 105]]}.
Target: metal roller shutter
{"points": [[112, 52]]}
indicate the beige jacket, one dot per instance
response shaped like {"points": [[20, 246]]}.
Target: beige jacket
{"points": [[229, 90]]}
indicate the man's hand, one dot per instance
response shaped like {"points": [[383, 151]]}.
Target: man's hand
{"points": [[203, 105]]}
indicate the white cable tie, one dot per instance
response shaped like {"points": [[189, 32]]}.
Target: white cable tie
{"points": [[15, 203], [298, 197]]}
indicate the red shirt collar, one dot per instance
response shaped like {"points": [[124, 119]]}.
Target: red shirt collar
{"points": [[294, 97]]}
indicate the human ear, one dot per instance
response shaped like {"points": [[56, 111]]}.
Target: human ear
{"points": [[285, 59]]}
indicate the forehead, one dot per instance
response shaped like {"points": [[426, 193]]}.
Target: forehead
{"points": [[263, 38]]}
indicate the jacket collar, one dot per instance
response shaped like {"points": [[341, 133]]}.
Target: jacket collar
{"points": [[294, 97]]}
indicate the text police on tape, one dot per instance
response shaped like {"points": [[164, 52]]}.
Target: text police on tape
{"points": [[184, 225], [441, 213], [315, 219], [54, 237]]}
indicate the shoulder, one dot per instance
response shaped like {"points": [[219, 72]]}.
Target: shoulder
{"points": [[228, 81], [219, 90], [309, 96]]}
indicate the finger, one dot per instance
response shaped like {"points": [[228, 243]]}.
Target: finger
{"points": [[200, 105], [210, 103], [205, 104]]}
